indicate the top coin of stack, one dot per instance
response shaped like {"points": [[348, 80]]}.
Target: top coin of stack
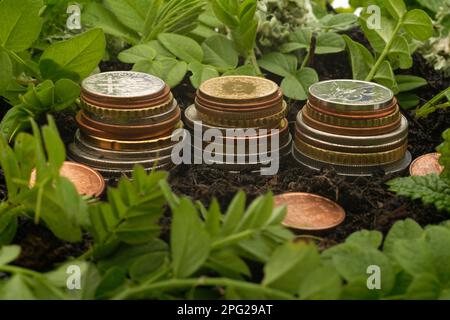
{"points": [[127, 118], [355, 126], [243, 102]]}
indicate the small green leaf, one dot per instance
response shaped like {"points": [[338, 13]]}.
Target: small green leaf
{"points": [[245, 70], [385, 76], [9, 254], [365, 238], [170, 70], [189, 240], [360, 57], [329, 43], [201, 73], [184, 48], [79, 55], [408, 82], [278, 63], [418, 24], [323, 283], [396, 8], [424, 287], [131, 13], [408, 100], [137, 53], [6, 71], [296, 86], [219, 52], [402, 230]]}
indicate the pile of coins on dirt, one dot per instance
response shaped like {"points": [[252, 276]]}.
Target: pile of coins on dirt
{"points": [[127, 118], [241, 102], [354, 126]]}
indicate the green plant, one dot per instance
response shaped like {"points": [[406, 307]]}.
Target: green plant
{"points": [[432, 189], [37, 84], [52, 199], [393, 42], [436, 103]]}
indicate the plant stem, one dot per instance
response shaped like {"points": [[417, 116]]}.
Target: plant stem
{"points": [[177, 284], [254, 61], [232, 239], [305, 60], [385, 51], [429, 107]]}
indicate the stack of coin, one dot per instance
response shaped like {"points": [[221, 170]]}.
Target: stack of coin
{"points": [[127, 118], [354, 126], [250, 114]]}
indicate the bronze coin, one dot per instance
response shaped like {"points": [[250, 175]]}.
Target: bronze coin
{"points": [[165, 97], [425, 165], [240, 105], [233, 114], [310, 212], [370, 131], [101, 130], [86, 180], [234, 89]]}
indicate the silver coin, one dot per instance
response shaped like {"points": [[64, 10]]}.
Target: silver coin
{"points": [[123, 84], [350, 95], [400, 133], [95, 161], [355, 171]]}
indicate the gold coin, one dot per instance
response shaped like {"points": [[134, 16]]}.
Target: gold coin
{"points": [[238, 88]]}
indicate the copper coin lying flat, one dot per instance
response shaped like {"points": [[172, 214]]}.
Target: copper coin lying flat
{"points": [[310, 212], [425, 165], [87, 181]]}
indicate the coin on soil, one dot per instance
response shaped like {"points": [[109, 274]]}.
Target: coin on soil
{"points": [[425, 165], [310, 212], [87, 181]]}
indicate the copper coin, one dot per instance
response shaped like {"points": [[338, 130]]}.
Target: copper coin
{"points": [[357, 115], [425, 165], [371, 131], [86, 180], [237, 89], [123, 85], [164, 97], [240, 105], [97, 129], [310, 212]]}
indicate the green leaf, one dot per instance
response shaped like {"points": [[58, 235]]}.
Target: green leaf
{"points": [[418, 24], [300, 39], [16, 288], [182, 47], [245, 70], [112, 281], [329, 43], [339, 21], [424, 287], [224, 14], [408, 82], [323, 283], [438, 239], [219, 52], [278, 63], [414, 256], [234, 214], [170, 70], [6, 72], [366, 239], [385, 76], [402, 230], [378, 37], [430, 189], [296, 86], [290, 265], [137, 53], [96, 15], [396, 8], [8, 228], [189, 240], [79, 55], [131, 13], [399, 52], [360, 57], [66, 93], [408, 100], [201, 73], [228, 264], [20, 23], [9, 254]]}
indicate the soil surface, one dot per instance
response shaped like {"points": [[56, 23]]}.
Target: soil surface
{"points": [[368, 203]]}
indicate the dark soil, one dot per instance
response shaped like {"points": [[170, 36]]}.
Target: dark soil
{"points": [[368, 203]]}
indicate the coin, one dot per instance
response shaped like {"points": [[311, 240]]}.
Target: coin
{"points": [[350, 95], [357, 114], [239, 106], [310, 212], [345, 158], [425, 165], [352, 121], [86, 180], [352, 170], [350, 131], [122, 85], [130, 145], [376, 140], [237, 88], [141, 132]]}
